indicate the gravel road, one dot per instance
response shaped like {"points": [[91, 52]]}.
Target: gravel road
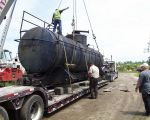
{"points": [[116, 101]]}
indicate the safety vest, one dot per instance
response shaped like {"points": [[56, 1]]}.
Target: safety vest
{"points": [[57, 15]]}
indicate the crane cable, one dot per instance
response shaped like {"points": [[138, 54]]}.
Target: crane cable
{"points": [[75, 12], [74, 27], [60, 3], [94, 37]]}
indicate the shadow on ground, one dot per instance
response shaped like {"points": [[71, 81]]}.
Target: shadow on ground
{"points": [[137, 113]]}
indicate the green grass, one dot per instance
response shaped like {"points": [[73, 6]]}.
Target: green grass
{"points": [[2, 84]]}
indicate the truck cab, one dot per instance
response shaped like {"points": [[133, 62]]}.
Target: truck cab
{"points": [[109, 68], [9, 69], [5, 58]]}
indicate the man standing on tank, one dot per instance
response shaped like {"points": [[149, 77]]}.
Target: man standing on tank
{"points": [[143, 85], [93, 74], [56, 20]]}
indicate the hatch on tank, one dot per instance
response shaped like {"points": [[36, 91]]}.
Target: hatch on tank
{"points": [[78, 37]]}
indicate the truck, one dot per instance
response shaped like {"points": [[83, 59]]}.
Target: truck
{"points": [[110, 70], [9, 70], [56, 68]]}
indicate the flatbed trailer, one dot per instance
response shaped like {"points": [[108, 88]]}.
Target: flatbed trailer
{"points": [[31, 102]]}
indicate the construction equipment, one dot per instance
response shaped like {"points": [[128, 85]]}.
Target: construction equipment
{"points": [[9, 71], [4, 7]]}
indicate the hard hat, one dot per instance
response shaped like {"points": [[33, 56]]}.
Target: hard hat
{"points": [[144, 65]]}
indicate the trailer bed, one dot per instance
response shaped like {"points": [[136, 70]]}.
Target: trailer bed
{"points": [[59, 101], [11, 92]]}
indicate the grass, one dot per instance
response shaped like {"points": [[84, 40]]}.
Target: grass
{"points": [[4, 84]]}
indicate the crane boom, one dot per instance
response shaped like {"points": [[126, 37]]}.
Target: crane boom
{"points": [[4, 34], [4, 7]]}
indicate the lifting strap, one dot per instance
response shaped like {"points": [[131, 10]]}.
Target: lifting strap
{"points": [[86, 63], [66, 59]]}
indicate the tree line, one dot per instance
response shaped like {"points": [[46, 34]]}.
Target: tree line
{"points": [[128, 66]]}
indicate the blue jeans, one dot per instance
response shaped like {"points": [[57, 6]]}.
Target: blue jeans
{"points": [[59, 27], [146, 100]]}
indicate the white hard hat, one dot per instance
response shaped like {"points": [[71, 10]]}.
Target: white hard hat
{"points": [[144, 65]]}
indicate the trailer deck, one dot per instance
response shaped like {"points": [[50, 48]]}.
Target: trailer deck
{"points": [[59, 101], [12, 92]]}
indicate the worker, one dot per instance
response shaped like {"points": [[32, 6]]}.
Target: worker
{"points": [[143, 85], [93, 74], [56, 20]]}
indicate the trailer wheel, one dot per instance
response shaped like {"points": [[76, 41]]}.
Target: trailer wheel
{"points": [[32, 109], [3, 114]]}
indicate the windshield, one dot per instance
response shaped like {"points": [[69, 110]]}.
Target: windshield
{"points": [[8, 55]]}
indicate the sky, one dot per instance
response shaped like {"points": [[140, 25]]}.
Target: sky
{"points": [[122, 27]]}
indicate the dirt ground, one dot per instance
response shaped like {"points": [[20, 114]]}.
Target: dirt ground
{"points": [[116, 101]]}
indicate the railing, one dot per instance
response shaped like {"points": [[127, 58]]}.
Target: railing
{"points": [[29, 21]]}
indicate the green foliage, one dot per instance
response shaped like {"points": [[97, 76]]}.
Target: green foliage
{"points": [[128, 66], [4, 84]]}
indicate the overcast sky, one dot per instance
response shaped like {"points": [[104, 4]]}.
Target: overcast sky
{"points": [[122, 27]]}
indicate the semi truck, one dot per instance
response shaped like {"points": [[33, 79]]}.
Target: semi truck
{"points": [[110, 70], [56, 68]]}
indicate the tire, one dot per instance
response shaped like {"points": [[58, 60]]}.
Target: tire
{"points": [[32, 109], [117, 75], [111, 78], [3, 114]]}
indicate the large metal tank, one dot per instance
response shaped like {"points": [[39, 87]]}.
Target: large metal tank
{"points": [[42, 51]]}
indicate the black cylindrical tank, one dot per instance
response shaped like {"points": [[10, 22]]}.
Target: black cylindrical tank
{"points": [[40, 50]]}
